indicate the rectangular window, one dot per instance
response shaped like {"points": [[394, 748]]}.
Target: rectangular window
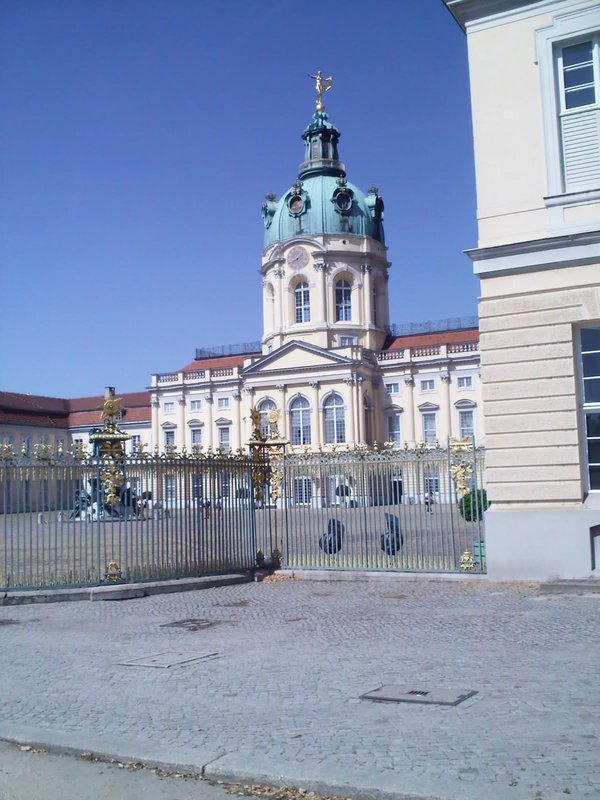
{"points": [[348, 341], [466, 425], [223, 403], [169, 407], [195, 405], [224, 438], [568, 54], [136, 442], [169, 439], [578, 82], [590, 358], [393, 432], [431, 480], [302, 302], [170, 489], [392, 388], [464, 382], [196, 436], [429, 428], [428, 385], [302, 491]]}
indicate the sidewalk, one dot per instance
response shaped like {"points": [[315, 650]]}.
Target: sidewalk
{"points": [[273, 693]]}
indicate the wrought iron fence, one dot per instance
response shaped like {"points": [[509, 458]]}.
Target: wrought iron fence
{"points": [[64, 522], [409, 510], [172, 516]]}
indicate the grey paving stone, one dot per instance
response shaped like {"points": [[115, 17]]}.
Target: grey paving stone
{"points": [[281, 701]]}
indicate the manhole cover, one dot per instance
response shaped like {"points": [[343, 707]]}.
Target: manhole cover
{"points": [[418, 694], [192, 624], [166, 660], [235, 604]]}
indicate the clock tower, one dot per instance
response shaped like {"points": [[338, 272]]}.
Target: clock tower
{"points": [[324, 264]]}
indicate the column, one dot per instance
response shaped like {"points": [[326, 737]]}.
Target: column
{"points": [[367, 303], [352, 424], [317, 436], [281, 321], [181, 437], [320, 267], [284, 428], [444, 426], [359, 408], [209, 423], [155, 401], [408, 417], [237, 396], [248, 398]]}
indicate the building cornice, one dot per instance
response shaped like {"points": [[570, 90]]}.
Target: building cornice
{"points": [[539, 254], [474, 15]]}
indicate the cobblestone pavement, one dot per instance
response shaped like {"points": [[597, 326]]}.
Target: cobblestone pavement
{"points": [[280, 702]]}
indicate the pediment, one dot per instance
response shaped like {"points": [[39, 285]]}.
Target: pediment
{"points": [[465, 404], [296, 356], [429, 407], [222, 421]]}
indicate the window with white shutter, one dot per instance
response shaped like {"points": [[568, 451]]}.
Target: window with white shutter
{"points": [[578, 68]]}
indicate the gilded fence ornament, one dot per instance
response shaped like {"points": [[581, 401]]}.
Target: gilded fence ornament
{"points": [[113, 572], [467, 562], [461, 468]]}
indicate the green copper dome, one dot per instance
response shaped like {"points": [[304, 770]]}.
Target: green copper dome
{"points": [[322, 200]]}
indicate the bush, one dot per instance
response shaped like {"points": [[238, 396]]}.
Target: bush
{"points": [[473, 504]]}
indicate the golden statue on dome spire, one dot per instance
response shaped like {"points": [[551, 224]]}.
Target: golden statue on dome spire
{"points": [[322, 85]]}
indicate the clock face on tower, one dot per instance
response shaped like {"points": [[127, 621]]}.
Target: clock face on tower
{"points": [[297, 257]]}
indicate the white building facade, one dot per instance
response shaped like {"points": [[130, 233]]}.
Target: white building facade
{"points": [[535, 88]]}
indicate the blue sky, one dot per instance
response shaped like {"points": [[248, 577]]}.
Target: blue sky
{"points": [[138, 139]]}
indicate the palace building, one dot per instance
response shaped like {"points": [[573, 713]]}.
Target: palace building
{"points": [[329, 362]]}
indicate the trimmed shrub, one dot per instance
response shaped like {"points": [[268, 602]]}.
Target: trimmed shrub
{"points": [[473, 504]]}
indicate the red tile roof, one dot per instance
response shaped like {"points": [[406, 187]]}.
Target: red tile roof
{"points": [[40, 411], [217, 363], [425, 339]]}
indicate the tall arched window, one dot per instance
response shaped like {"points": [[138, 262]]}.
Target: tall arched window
{"points": [[334, 420], [264, 407], [343, 301], [300, 421], [302, 295]]}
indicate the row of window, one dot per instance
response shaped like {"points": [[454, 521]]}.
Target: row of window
{"points": [[429, 426], [223, 403], [428, 384], [343, 301]]}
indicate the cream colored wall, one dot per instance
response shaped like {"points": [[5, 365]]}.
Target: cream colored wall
{"points": [[530, 384], [362, 262], [508, 132]]}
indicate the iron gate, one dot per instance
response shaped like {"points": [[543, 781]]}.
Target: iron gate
{"points": [[411, 510]]}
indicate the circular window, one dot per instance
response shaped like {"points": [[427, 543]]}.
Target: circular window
{"points": [[343, 201], [296, 204]]}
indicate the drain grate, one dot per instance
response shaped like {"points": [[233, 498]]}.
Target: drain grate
{"points": [[426, 696], [192, 624], [165, 660], [9, 622]]}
